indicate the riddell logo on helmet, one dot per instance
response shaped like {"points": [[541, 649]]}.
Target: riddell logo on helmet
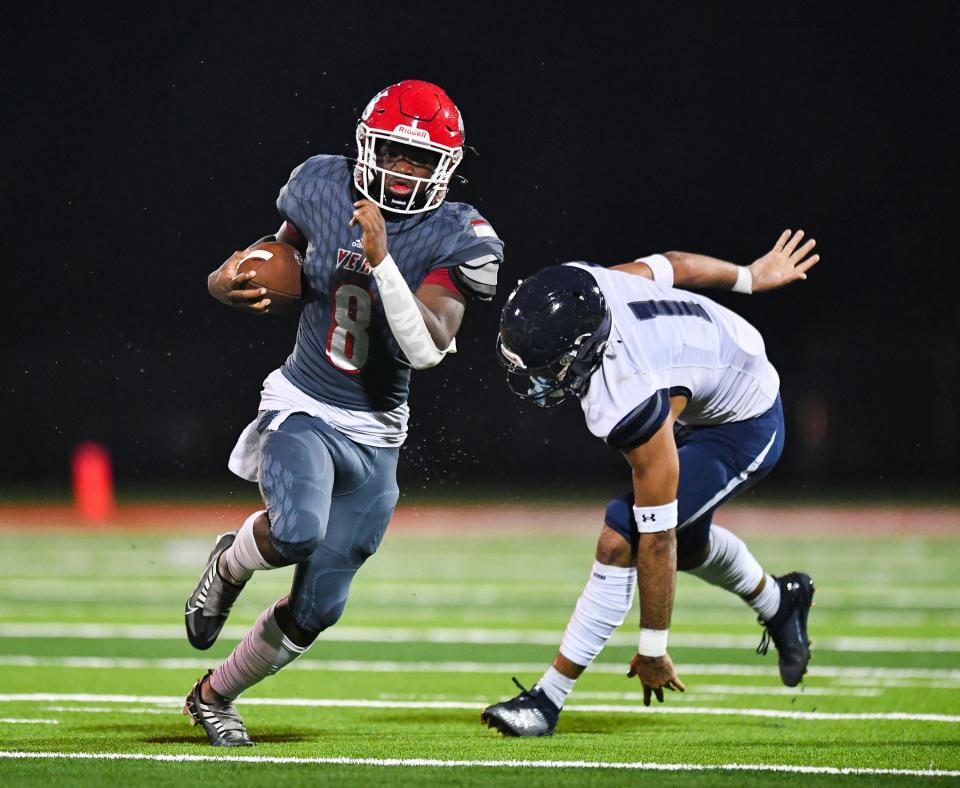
{"points": [[410, 131]]}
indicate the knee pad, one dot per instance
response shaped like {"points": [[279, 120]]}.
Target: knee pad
{"points": [[619, 517], [319, 596], [296, 552], [295, 481], [372, 526]]}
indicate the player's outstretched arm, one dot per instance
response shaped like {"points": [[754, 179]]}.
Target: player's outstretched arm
{"points": [[788, 261], [656, 473]]}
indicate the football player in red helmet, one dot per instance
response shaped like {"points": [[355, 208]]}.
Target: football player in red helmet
{"points": [[389, 267], [415, 123]]}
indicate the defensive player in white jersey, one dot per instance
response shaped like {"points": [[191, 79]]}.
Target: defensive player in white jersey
{"points": [[683, 387]]}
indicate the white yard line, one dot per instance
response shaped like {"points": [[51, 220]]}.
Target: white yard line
{"points": [[114, 709], [436, 763], [478, 636], [362, 703], [26, 721], [938, 678]]}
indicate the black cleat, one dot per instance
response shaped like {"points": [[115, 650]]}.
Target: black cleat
{"points": [[223, 726], [531, 713], [788, 628], [209, 604]]}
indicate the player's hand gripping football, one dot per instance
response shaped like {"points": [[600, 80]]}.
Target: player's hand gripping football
{"points": [[785, 263], [226, 285], [655, 673], [368, 216]]}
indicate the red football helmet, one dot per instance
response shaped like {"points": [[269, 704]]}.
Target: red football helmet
{"points": [[418, 114]]}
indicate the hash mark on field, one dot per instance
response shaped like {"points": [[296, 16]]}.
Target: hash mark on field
{"points": [[362, 703], [428, 762]]}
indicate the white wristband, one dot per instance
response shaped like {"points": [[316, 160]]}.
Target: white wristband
{"points": [[744, 283], [403, 316], [651, 519], [661, 268], [653, 642]]}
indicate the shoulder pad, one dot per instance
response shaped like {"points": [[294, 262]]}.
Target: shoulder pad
{"points": [[477, 278]]}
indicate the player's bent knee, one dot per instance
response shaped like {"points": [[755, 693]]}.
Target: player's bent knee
{"points": [[329, 617], [693, 545], [298, 550], [321, 616], [619, 519], [318, 602], [301, 636], [693, 559], [613, 549]]}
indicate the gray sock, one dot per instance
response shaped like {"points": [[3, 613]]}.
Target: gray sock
{"points": [[243, 558], [261, 653]]}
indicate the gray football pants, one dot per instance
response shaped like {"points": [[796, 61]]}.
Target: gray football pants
{"points": [[329, 500]]}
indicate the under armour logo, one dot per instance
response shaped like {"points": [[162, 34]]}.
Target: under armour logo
{"points": [[648, 517]]}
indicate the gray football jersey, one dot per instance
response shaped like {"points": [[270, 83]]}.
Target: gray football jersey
{"points": [[345, 353]]}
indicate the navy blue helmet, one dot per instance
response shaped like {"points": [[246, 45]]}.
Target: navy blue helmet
{"points": [[553, 331]]}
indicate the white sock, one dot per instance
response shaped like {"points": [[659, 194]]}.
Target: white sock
{"points": [[243, 557], [604, 603], [556, 686], [731, 566], [767, 602], [261, 653]]}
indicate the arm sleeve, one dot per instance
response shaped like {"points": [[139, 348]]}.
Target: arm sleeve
{"points": [[404, 317]]}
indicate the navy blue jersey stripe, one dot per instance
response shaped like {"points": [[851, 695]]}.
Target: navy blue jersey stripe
{"points": [[640, 424], [647, 310]]}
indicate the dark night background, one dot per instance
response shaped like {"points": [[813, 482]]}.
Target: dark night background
{"points": [[141, 148]]}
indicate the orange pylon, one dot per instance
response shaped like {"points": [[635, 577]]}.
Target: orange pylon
{"points": [[93, 483]]}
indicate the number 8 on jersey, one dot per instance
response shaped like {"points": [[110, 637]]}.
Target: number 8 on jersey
{"points": [[348, 343]]}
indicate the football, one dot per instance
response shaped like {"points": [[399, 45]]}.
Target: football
{"points": [[278, 266]]}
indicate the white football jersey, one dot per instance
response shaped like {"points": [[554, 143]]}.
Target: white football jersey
{"points": [[667, 341]]}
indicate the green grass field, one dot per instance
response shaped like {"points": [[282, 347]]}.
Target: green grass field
{"points": [[94, 667]]}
